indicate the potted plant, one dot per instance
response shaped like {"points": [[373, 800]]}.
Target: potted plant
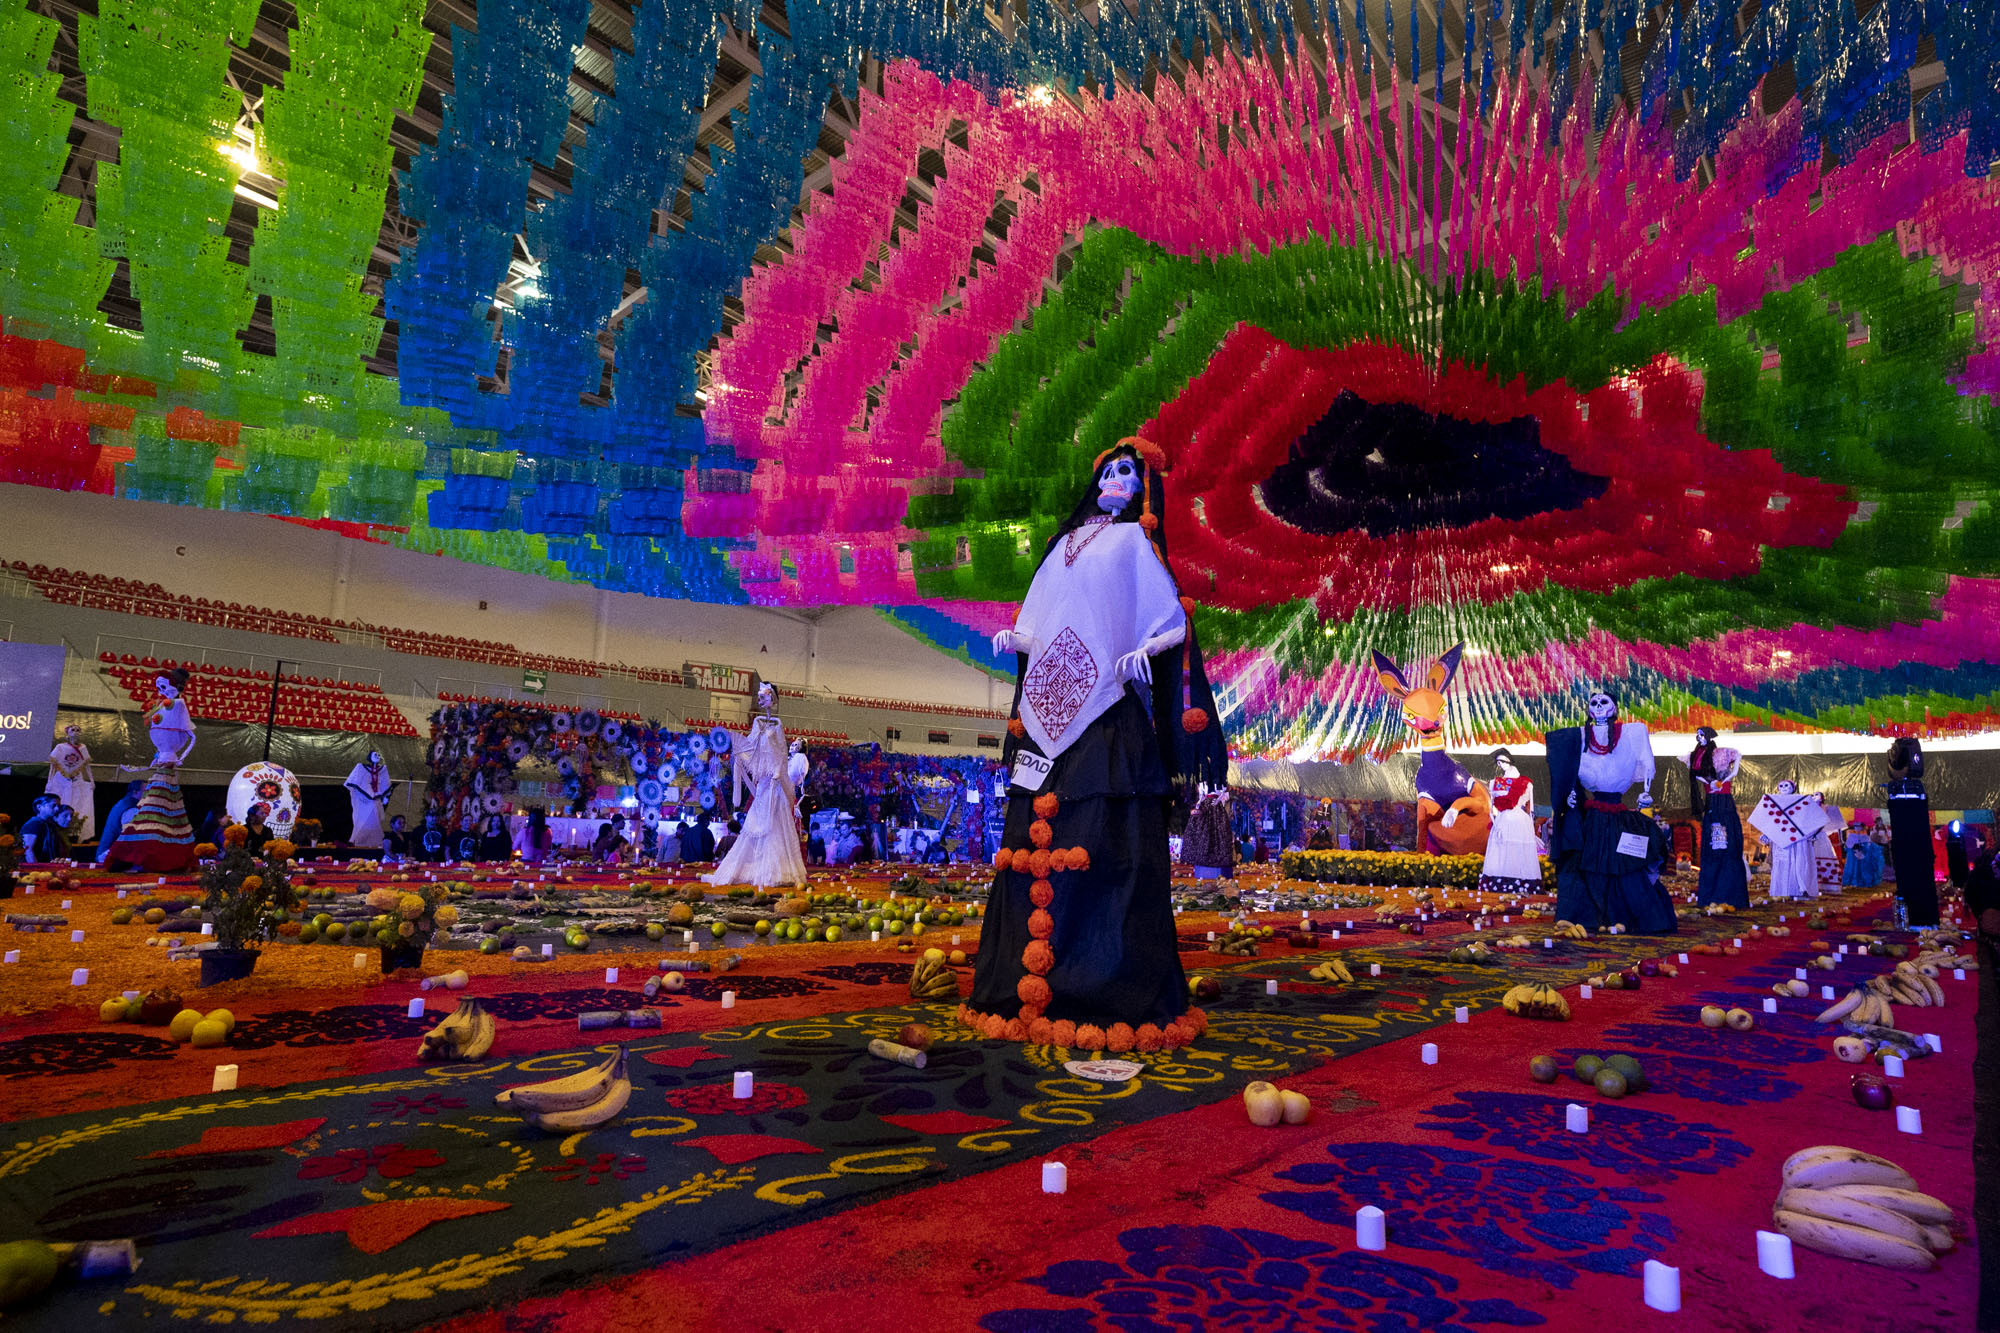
{"points": [[244, 897], [10, 856], [410, 915]]}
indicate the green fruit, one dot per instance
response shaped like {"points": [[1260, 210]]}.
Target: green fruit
{"points": [[26, 1269], [718, 930], [308, 933], [323, 920], [121, 916], [224, 1017], [895, 927], [182, 1026], [917, 929], [1586, 1068], [793, 930], [112, 1010], [1628, 1068], [208, 1032], [155, 915], [491, 944], [1543, 1068], [1610, 1083], [833, 934], [812, 934], [336, 931], [874, 923], [763, 926], [655, 931]]}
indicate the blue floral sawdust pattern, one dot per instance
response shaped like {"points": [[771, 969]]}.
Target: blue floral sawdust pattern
{"points": [[1652, 1145], [1186, 1279], [1525, 1219], [1700, 1078], [1755, 1047]]}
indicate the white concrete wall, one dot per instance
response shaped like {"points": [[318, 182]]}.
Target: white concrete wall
{"points": [[249, 559]]}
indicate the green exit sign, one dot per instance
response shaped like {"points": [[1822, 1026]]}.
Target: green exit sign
{"points": [[535, 682]]}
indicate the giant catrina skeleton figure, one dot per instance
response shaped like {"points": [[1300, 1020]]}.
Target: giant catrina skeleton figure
{"points": [[1454, 814]]}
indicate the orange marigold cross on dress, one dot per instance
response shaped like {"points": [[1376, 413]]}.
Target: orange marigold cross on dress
{"points": [[1112, 724]]}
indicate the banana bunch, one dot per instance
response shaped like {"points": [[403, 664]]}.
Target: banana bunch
{"points": [[466, 1034], [1934, 958], [1852, 1204], [1860, 1005], [1569, 930], [1908, 985], [1331, 970], [933, 979], [576, 1101], [1535, 1001]]}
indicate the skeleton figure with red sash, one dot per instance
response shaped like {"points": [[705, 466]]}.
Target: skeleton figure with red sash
{"points": [[1512, 863], [1712, 769], [1793, 822]]}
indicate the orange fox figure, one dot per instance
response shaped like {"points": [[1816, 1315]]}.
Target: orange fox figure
{"points": [[1453, 812]]}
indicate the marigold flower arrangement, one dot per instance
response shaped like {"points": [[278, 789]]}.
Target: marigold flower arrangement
{"points": [[410, 915], [246, 896]]}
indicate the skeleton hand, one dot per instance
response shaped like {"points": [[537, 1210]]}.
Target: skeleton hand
{"points": [[1450, 817], [1572, 800], [1007, 641], [1136, 666], [1645, 799]]}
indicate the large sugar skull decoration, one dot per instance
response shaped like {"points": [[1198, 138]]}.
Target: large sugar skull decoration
{"points": [[1118, 481], [268, 788]]}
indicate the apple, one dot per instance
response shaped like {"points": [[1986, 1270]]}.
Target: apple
{"points": [[1872, 1092], [1740, 1020], [1713, 1016], [1263, 1103]]}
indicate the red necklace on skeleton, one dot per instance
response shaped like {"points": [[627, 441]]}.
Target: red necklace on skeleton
{"points": [[1072, 548], [1590, 738]]}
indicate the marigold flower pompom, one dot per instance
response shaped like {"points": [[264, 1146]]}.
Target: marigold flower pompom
{"points": [[1079, 858], [411, 906], [1038, 958], [202, 850], [1039, 862], [1021, 861], [1194, 720], [1015, 729], [252, 883], [1016, 1030], [1046, 805], [278, 849], [1187, 606], [993, 1026], [1041, 893], [1148, 1037], [1062, 1032], [1196, 1021], [1041, 1031], [1031, 1012], [1040, 924], [384, 898], [1002, 859], [966, 1016], [1120, 1037], [407, 929], [1033, 990], [1150, 522], [446, 915], [236, 835], [1089, 1037], [1040, 833]]}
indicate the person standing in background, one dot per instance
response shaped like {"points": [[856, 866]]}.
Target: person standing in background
{"points": [[70, 782]]}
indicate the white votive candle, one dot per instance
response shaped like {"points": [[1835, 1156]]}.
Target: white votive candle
{"points": [[1663, 1287], [1371, 1229], [1770, 1005], [76, 937], [1892, 1065], [1576, 1118], [1909, 1119], [1462, 1014], [729, 999], [611, 976], [80, 977], [1271, 986], [1774, 1254], [1430, 1053], [417, 1007], [225, 1079], [744, 1085], [1055, 1178], [1583, 992]]}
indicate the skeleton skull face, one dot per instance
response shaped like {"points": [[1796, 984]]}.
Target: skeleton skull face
{"points": [[1787, 787], [767, 697], [73, 734], [167, 689], [1117, 483], [1704, 735], [374, 759], [1603, 708], [797, 746]]}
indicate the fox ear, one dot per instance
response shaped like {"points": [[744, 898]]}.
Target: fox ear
{"points": [[1392, 680], [1445, 668]]}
